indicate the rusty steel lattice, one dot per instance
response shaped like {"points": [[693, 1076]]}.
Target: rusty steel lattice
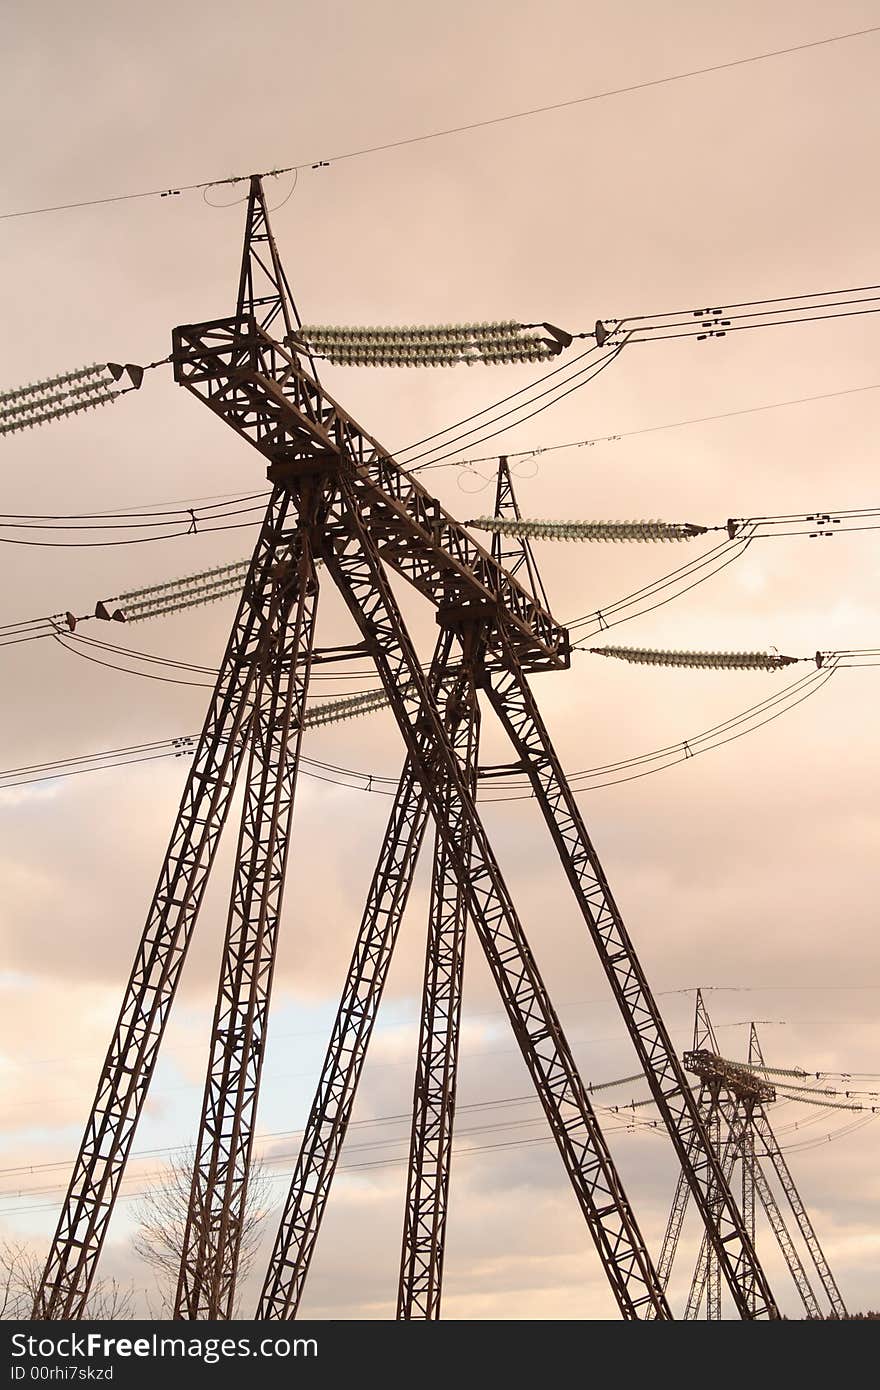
{"points": [[339, 500]]}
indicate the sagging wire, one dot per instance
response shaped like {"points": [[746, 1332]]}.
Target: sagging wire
{"points": [[446, 133], [677, 582], [400, 453], [632, 1125], [634, 769], [186, 523], [819, 1141], [574, 382], [317, 716], [76, 642], [183, 746], [630, 769], [122, 604], [373, 1122], [741, 534], [669, 586], [594, 440]]}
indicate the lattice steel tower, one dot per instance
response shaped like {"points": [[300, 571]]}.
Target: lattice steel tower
{"points": [[341, 507], [733, 1102]]}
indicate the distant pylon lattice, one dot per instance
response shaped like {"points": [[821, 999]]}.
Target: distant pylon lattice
{"points": [[733, 1101]]}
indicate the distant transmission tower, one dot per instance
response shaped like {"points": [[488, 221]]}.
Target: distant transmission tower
{"points": [[733, 1102], [341, 507]]}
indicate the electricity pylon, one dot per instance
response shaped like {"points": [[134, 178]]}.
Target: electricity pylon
{"points": [[733, 1101], [768, 1146], [340, 502]]}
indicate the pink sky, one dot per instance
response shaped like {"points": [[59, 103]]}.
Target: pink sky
{"points": [[753, 867]]}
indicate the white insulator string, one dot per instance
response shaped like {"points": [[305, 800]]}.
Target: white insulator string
{"points": [[721, 661], [537, 529]]}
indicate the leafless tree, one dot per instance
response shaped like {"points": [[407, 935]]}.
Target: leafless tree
{"points": [[21, 1269], [161, 1214]]}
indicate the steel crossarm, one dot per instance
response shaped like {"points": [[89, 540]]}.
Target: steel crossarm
{"points": [[130, 1060], [430, 1155], [262, 390], [217, 1205], [764, 1131], [352, 559], [331, 1108], [511, 697]]}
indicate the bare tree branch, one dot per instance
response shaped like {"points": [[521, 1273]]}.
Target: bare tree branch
{"points": [[21, 1270], [161, 1215]]}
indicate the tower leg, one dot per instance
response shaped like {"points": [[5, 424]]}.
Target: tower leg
{"points": [[722, 1101], [740, 1119], [131, 1058], [747, 1158], [764, 1132], [424, 1232], [331, 1108], [352, 560], [679, 1202], [713, 1273], [212, 1239], [512, 699], [781, 1231]]}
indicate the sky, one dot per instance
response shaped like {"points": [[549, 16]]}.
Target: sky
{"points": [[752, 870]]}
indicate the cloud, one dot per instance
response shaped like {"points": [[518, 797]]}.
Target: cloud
{"points": [[754, 865]]}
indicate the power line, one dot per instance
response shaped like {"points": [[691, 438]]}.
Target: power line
{"points": [[687, 749], [408, 449], [397, 1118], [654, 429], [670, 585], [814, 524], [448, 131], [651, 337], [631, 1125], [631, 769], [173, 510], [26, 629], [367, 347], [500, 1013], [573, 383], [433, 456], [189, 525], [179, 508]]}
